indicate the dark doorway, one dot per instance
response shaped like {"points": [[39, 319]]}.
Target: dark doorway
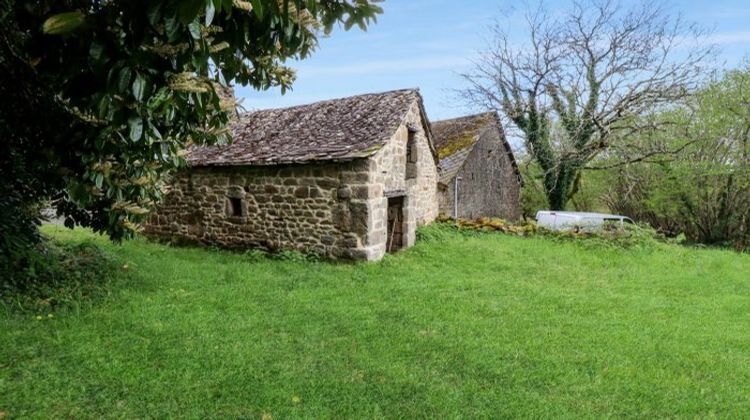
{"points": [[395, 240]]}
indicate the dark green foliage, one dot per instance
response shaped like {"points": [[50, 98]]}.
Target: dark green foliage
{"points": [[583, 74], [590, 187], [100, 99], [703, 191], [295, 256], [58, 275], [34, 148], [609, 236]]}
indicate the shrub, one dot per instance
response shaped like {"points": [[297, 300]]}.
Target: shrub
{"points": [[255, 255], [295, 256], [609, 236], [55, 275], [702, 190]]}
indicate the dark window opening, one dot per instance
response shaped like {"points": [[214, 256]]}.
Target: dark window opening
{"points": [[411, 155], [411, 148], [235, 207]]}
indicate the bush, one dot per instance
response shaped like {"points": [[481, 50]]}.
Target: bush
{"points": [[609, 236], [295, 256], [702, 189], [54, 275], [259, 255], [707, 202]]}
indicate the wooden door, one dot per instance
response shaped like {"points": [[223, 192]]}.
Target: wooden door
{"points": [[395, 224]]}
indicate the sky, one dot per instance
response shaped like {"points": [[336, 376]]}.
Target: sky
{"points": [[427, 44]]}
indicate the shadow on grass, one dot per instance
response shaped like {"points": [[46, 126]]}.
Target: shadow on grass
{"points": [[65, 274]]}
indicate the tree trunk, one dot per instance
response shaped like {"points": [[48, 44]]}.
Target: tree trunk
{"points": [[557, 185], [556, 200]]}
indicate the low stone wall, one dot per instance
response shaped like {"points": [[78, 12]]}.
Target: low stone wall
{"points": [[322, 208]]}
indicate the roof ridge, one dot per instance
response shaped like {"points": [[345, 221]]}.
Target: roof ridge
{"points": [[345, 128], [461, 134], [323, 101], [481, 114]]}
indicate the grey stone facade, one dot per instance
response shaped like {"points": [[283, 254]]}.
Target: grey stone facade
{"points": [[476, 158], [350, 207]]}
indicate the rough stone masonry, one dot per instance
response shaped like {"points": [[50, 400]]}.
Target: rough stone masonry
{"points": [[325, 178], [476, 157]]}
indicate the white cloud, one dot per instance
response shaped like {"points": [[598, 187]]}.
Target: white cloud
{"points": [[724, 38]]}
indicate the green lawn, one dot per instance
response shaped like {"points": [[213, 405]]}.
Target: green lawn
{"points": [[463, 326]]}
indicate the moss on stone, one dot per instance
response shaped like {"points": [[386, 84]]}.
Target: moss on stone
{"points": [[456, 145], [460, 133]]}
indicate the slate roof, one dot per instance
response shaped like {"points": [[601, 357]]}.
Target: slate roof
{"points": [[333, 130], [455, 138]]}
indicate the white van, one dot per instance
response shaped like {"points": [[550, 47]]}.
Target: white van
{"points": [[571, 220]]}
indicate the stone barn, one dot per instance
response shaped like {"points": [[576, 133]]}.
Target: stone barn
{"points": [[479, 175], [346, 178]]}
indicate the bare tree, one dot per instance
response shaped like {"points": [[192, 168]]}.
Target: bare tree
{"points": [[585, 79]]}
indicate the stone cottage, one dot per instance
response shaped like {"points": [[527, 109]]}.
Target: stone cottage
{"points": [[479, 176], [346, 178]]}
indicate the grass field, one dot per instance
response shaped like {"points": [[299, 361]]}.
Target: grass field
{"points": [[460, 326]]}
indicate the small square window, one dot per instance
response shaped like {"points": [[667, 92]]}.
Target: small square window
{"points": [[234, 208]]}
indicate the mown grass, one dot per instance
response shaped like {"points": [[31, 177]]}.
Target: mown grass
{"points": [[462, 325]]}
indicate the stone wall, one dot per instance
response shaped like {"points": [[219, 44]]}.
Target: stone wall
{"points": [[417, 184], [321, 208], [391, 168], [489, 185]]}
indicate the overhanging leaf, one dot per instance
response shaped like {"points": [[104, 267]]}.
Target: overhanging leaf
{"points": [[210, 11], [63, 23], [257, 8], [136, 128], [123, 80], [195, 29], [154, 12], [139, 87], [172, 26]]}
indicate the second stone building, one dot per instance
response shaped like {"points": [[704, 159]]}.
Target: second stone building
{"points": [[479, 176]]}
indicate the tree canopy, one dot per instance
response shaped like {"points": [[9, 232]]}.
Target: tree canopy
{"points": [[584, 75], [100, 99], [703, 190]]}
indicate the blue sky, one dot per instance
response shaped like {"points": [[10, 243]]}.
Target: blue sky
{"points": [[428, 43]]}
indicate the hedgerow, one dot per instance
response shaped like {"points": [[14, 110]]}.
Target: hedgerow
{"points": [[608, 236]]}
